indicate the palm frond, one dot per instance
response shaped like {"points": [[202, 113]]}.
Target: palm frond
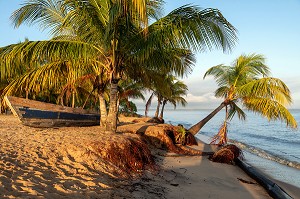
{"points": [[222, 92], [235, 109], [221, 74], [251, 65], [39, 51], [49, 14], [189, 27], [270, 109], [267, 87]]}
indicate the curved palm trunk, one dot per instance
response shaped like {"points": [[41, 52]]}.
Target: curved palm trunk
{"points": [[148, 104], [196, 128], [111, 120], [161, 116], [61, 101], [128, 105], [87, 98], [103, 111], [158, 107]]}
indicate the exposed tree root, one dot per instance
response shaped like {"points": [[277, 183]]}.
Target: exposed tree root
{"points": [[221, 136], [128, 153], [164, 136], [129, 150], [227, 154]]}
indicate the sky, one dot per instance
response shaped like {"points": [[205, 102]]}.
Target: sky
{"points": [[267, 27]]}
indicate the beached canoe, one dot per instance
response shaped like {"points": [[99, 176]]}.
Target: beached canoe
{"points": [[40, 114]]}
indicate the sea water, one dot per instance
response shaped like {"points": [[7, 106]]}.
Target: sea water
{"points": [[270, 146]]}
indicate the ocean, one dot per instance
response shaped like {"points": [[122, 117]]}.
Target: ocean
{"points": [[270, 146]]}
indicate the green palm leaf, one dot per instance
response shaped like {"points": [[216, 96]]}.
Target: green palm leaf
{"points": [[267, 87], [270, 109]]}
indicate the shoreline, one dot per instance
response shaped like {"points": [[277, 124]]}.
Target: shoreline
{"points": [[292, 190], [49, 163]]}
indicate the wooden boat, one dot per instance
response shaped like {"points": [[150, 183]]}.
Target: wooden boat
{"points": [[40, 114]]}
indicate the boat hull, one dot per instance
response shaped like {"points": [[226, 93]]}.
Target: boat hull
{"points": [[39, 114]]}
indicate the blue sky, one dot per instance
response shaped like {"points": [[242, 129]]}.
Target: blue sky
{"points": [[265, 27]]}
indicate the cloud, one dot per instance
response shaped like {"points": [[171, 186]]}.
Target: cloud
{"points": [[208, 97], [201, 94]]}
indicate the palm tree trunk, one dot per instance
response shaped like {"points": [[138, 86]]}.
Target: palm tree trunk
{"points": [[26, 90], [111, 120], [103, 111], [196, 128], [158, 106], [62, 101], [161, 116], [148, 104], [87, 98], [73, 99]]}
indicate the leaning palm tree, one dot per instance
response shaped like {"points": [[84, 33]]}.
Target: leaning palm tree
{"points": [[247, 82], [117, 35]]}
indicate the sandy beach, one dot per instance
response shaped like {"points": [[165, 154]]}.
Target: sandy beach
{"points": [[55, 163]]}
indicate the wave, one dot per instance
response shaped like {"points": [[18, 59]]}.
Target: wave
{"points": [[265, 154], [268, 138]]}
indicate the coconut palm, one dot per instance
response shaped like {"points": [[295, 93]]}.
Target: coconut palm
{"points": [[130, 89], [247, 82], [61, 77], [167, 89], [158, 85], [178, 89], [116, 34]]}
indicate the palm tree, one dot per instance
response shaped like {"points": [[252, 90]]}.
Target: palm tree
{"points": [[130, 89], [159, 84], [167, 89], [178, 89], [247, 82], [116, 34]]}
